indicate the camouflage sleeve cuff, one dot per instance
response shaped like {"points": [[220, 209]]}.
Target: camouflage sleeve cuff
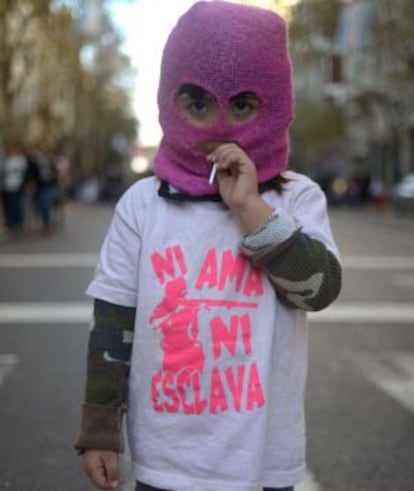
{"points": [[304, 273], [101, 428], [273, 236]]}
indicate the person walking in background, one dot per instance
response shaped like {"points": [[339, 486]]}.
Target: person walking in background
{"points": [[41, 180], [206, 274], [12, 179]]}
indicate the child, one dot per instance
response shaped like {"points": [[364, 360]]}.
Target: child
{"points": [[202, 283]]}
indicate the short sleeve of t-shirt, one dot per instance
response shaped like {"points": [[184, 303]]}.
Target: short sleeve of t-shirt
{"points": [[115, 279]]}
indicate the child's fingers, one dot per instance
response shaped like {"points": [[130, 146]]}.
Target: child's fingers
{"points": [[112, 469], [221, 152], [96, 465], [96, 472], [227, 158]]}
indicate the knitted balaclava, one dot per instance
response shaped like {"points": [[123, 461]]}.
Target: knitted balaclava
{"points": [[226, 49]]}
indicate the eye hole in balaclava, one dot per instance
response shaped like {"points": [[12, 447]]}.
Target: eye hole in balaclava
{"points": [[197, 105], [243, 107], [201, 108]]}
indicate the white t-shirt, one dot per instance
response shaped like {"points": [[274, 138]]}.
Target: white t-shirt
{"points": [[14, 169], [218, 370]]}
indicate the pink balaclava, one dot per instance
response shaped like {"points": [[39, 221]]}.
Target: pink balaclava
{"points": [[226, 49]]}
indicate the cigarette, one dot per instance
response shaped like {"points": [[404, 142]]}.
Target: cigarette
{"points": [[212, 174]]}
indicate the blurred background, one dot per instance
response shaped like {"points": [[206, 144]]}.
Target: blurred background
{"points": [[78, 82], [78, 125]]}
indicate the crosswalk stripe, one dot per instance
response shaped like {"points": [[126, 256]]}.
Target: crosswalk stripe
{"points": [[366, 312], [54, 260], [80, 312], [81, 260], [391, 371], [38, 312], [378, 262]]}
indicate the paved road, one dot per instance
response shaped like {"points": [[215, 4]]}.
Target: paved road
{"points": [[360, 404]]}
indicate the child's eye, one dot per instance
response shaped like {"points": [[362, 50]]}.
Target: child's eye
{"points": [[197, 107], [243, 107]]}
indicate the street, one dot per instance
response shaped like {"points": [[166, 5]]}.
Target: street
{"points": [[360, 398]]}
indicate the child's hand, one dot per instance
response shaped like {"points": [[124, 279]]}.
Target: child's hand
{"points": [[238, 185], [102, 468], [236, 175]]}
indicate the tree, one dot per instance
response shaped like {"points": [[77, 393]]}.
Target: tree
{"points": [[377, 97], [312, 29], [102, 105], [392, 36], [316, 131], [50, 93], [318, 124], [18, 22]]}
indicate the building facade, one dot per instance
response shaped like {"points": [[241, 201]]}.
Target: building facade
{"points": [[372, 83]]}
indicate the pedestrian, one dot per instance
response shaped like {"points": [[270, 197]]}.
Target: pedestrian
{"points": [[206, 274], [42, 182], [12, 177]]}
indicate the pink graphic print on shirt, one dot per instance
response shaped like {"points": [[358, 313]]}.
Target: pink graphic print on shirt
{"points": [[179, 326], [221, 375]]}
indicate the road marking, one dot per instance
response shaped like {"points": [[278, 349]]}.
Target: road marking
{"points": [[38, 312], [80, 312], [380, 263], [366, 312], [380, 233], [7, 363], [56, 260], [81, 260], [391, 371]]}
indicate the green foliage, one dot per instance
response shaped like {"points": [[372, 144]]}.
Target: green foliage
{"points": [[312, 28], [318, 126], [317, 122], [393, 36]]}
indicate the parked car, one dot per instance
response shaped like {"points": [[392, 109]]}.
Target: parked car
{"points": [[403, 194]]}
